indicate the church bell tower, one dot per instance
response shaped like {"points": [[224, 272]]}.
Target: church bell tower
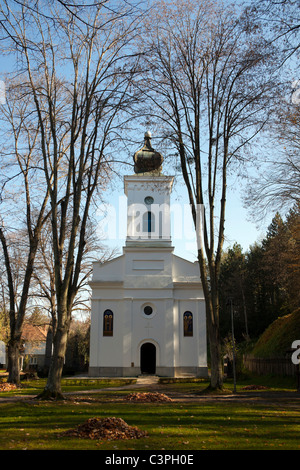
{"points": [[148, 194]]}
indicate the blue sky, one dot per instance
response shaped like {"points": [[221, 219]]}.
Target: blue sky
{"points": [[238, 226]]}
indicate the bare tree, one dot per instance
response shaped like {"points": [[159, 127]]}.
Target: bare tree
{"points": [[78, 76], [280, 22], [276, 186], [19, 172], [209, 84], [43, 286]]}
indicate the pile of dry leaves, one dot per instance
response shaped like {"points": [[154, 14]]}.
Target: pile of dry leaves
{"points": [[148, 397], [6, 387], [106, 428], [255, 387]]}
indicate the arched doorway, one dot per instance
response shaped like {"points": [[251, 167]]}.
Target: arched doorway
{"points": [[148, 358]]}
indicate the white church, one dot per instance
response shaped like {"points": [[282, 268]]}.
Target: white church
{"points": [[148, 308]]}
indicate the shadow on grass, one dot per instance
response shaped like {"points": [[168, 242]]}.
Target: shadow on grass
{"points": [[170, 426]]}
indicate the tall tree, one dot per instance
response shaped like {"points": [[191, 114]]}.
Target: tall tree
{"points": [[21, 193], [272, 273], [291, 255], [267, 296], [78, 75], [281, 261], [276, 185], [281, 23], [43, 284], [209, 85], [232, 285]]}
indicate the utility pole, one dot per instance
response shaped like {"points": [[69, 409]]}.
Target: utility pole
{"points": [[230, 301]]}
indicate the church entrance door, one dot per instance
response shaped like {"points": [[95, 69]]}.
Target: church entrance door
{"points": [[148, 358]]}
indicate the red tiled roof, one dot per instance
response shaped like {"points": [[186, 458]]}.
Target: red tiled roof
{"points": [[34, 333]]}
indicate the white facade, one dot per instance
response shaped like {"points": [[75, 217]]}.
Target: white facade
{"points": [[142, 299]]}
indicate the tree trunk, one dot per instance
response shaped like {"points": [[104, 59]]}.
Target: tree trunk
{"points": [[211, 297], [216, 379], [52, 389], [14, 362]]}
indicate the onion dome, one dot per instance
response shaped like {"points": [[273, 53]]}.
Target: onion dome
{"points": [[147, 159]]}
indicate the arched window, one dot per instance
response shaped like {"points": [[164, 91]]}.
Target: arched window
{"points": [[187, 324], [108, 323], [148, 222]]}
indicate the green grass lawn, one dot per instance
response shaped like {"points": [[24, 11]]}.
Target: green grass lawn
{"points": [[170, 426], [211, 425], [34, 387]]}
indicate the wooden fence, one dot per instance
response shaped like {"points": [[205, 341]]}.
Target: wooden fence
{"points": [[276, 366]]}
